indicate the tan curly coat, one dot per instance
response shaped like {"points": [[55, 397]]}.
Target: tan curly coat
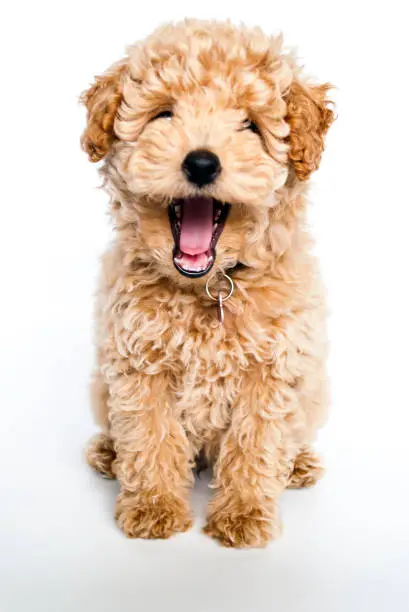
{"points": [[170, 380]]}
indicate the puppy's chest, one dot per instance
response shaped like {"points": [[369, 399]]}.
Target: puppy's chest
{"points": [[203, 361], [195, 346], [198, 353], [190, 351]]}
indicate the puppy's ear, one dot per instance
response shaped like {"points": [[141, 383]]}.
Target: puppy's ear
{"points": [[102, 100], [309, 117]]}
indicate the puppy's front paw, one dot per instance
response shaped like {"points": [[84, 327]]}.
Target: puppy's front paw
{"points": [[144, 515], [241, 528]]}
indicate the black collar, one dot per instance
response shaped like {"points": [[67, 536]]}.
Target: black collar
{"points": [[236, 268]]}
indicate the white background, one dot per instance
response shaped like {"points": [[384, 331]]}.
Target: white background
{"points": [[346, 543]]}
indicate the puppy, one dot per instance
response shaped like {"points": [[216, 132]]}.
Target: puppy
{"points": [[210, 316]]}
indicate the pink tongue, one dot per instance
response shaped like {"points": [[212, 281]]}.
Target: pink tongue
{"points": [[197, 225]]}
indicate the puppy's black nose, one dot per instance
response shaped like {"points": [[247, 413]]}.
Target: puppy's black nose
{"points": [[201, 167]]}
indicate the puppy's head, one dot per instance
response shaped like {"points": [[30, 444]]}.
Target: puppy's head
{"points": [[202, 126]]}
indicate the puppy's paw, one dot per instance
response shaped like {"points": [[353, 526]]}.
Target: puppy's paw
{"points": [[144, 515], [241, 529], [101, 455], [307, 469]]}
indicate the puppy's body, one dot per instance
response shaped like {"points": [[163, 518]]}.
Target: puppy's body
{"points": [[170, 380]]}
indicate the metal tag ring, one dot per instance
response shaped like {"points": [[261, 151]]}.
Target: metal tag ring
{"points": [[223, 299]]}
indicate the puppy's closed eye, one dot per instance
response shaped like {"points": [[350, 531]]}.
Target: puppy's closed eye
{"points": [[165, 114], [250, 125]]}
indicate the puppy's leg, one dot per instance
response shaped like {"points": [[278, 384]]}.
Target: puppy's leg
{"points": [[154, 462], [100, 450], [307, 469], [252, 468]]}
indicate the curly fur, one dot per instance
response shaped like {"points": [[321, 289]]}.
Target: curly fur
{"points": [[170, 381]]}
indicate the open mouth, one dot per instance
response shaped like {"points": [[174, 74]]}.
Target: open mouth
{"points": [[196, 224]]}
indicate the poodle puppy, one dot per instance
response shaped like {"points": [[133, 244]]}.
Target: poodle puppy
{"points": [[210, 322]]}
